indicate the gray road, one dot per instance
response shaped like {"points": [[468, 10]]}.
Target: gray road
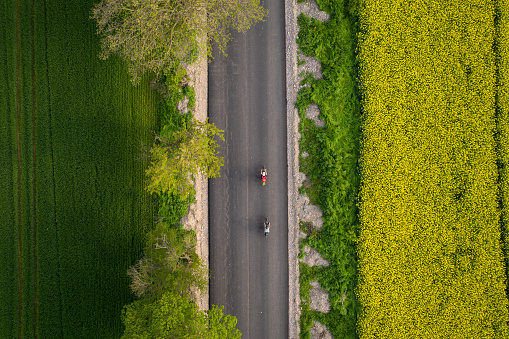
{"points": [[249, 272]]}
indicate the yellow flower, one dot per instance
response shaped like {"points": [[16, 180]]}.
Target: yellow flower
{"points": [[431, 265]]}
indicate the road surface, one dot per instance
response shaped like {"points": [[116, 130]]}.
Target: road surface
{"points": [[247, 99]]}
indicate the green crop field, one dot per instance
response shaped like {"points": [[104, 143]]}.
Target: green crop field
{"points": [[73, 211]]}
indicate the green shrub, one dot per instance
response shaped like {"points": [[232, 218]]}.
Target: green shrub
{"points": [[174, 77], [189, 92], [172, 208]]}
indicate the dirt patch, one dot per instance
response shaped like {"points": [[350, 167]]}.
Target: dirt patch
{"points": [[306, 211], [319, 298], [313, 113], [313, 258], [311, 9], [309, 65], [320, 331]]}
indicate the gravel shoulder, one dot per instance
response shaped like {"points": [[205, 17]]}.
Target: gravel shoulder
{"points": [[292, 116], [198, 217]]}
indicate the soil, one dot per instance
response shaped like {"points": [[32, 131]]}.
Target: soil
{"points": [[313, 258], [320, 331], [197, 218], [319, 298]]}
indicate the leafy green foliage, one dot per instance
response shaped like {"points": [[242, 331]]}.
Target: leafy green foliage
{"points": [[165, 280], [171, 316], [173, 78], [158, 36], [189, 92], [331, 164], [172, 208], [177, 157], [307, 274], [185, 147], [170, 272], [349, 8], [170, 264], [221, 325], [174, 316], [171, 119]]}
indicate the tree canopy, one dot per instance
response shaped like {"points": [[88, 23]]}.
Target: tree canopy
{"points": [[176, 158], [170, 264], [157, 35], [174, 316], [165, 280]]}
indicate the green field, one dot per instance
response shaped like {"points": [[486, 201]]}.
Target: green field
{"points": [[73, 211]]}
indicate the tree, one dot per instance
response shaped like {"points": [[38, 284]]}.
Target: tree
{"points": [[220, 325], [175, 159], [171, 316], [170, 264], [157, 35], [174, 316]]}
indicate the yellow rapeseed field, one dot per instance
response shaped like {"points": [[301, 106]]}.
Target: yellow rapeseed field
{"points": [[431, 261], [503, 113]]}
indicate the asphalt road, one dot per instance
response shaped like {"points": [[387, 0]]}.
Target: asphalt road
{"points": [[247, 99]]}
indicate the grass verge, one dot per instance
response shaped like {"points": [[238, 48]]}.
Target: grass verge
{"points": [[331, 164]]}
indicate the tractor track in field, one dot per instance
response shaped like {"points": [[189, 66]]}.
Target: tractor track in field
{"points": [[34, 169], [18, 143], [34, 165]]}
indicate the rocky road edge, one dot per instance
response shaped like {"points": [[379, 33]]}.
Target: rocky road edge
{"points": [[198, 217], [292, 121]]}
